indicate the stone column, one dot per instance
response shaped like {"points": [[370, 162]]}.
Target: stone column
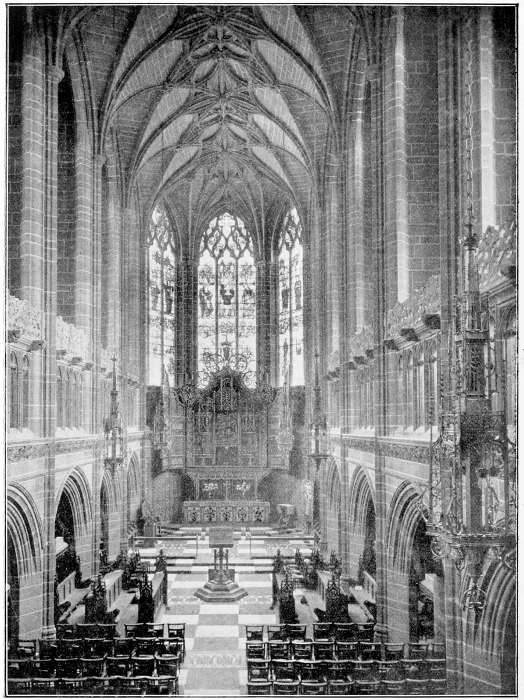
{"points": [[379, 253]]}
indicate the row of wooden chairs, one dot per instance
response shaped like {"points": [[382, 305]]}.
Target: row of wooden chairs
{"points": [[98, 647], [363, 632], [86, 629], [156, 629], [113, 685], [332, 649], [296, 687], [285, 669], [163, 665]]}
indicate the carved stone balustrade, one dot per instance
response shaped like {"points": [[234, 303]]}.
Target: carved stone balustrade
{"points": [[361, 347], [23, 323], [496, 256], [420, 312], [71, 342]]}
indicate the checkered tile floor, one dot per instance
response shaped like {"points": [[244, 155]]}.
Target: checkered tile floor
{"points": [[215, 662]]}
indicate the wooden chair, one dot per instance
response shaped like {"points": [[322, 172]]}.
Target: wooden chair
{"points": [[71, 686], [255, 650], [301, 649], [93, 666], [276, 632], [123, 646], [366, 631], [87, 629], [393, 687], [97, 646], [259, 687], [322, 630], [340, 687], [97, 685], [178, 631], [337, 671], [67, 668], [258, 670], [132, 686], [311, 670], [19, 668], [437, 668], [155, 629], [345, 631], [284, 669], [136, 630], [313, 687], [166, 685], [437, 686], [44, 686], [254, 633], [390, 670], [417, 686], [26, 647], [437, 650], [145, 646], [295, 632], [19, 686], [143, 665], [106, 630], [415, 668], [43, 668], [278, 649], [346, 650], [118, 665], [393, 652], [285, 687], [48, 649], [168, 665], [370, 650], [324, 650], [417, 650], [367, 687]]}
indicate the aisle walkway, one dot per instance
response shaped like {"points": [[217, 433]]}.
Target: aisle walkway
{"points": [[215, 662]]}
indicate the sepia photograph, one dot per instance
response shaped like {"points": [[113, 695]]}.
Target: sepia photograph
{"points": [[261, 349]]}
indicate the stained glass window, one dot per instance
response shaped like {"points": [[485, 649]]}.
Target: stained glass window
{"points": [[290, 301], [161, 298], [226, 296]]}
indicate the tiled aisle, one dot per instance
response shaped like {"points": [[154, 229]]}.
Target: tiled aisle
{"points": [[215, 662]]}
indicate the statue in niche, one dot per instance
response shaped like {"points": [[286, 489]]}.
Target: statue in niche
{"points": [[285, 298], [298, 295], [247, 295], [227, 295], [169, 292], [205, 301]]}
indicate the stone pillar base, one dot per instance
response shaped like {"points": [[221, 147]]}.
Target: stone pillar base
{"points": [[221, 588], [49, 632]]}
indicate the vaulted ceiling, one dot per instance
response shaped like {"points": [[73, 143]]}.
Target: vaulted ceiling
{"points": [[217, 107]]}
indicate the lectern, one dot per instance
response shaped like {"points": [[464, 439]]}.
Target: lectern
{"points": [[221, 586]]}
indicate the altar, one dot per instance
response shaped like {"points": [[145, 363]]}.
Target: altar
{"points": [[247, 512]]}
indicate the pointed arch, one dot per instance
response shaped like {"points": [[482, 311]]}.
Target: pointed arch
{"points": [[361, 492], [24, 525], [403, 518], [77, 489]]}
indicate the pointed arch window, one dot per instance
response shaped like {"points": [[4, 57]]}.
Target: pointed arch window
{"points": [[25, 392], [290, 301], [13, 398], [227, 295], [60, 399], [162, 273]]}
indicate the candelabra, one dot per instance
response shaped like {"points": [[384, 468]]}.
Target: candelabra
{"points": [[114, 432]]}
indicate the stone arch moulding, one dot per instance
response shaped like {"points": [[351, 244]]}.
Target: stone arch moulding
{"points": [[110, 483], [361, 490], [500, 590], [403, 517], [333, 482], [77, 489], [25, 527]]}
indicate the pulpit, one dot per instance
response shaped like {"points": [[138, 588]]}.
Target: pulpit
{"points": [[221, 586]]}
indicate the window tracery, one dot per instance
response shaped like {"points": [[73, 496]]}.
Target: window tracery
{"points": [[290, 301], [227, 295], [162, 274]]}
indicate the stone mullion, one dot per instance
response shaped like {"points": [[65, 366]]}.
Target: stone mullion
{"points": [[376, 74], [273, 323], [263, 316]]}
